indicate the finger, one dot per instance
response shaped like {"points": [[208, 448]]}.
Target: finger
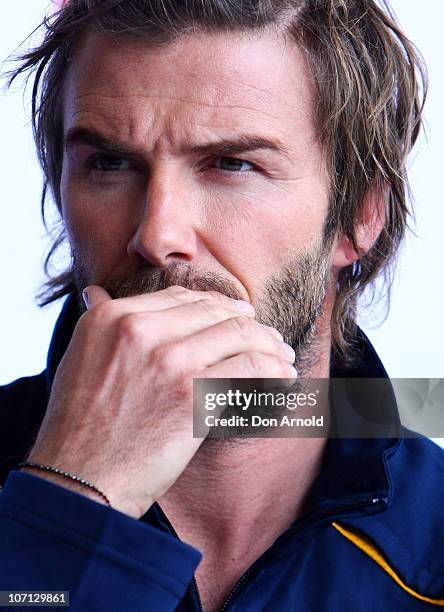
{"points": [[232, 336], [251, 365], [164, 327], [177, 295], [93, 295]]}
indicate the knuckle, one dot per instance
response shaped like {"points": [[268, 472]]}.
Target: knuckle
{"points": [[243, 326], [101, 311], [216, 296], [176, 290], [98, 316], [255, 364], [215, 311], [166, 357], [130, 327], [207, 306], [266, 366]]}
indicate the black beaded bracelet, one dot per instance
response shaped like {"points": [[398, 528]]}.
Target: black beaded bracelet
{"points": [[48, 468]]}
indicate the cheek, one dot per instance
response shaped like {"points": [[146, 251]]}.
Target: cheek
{"points": [[97, 237], [268, 227], [255, 233]]}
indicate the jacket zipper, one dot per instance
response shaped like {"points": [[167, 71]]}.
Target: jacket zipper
{"points": [[281, 540], [196, 592], [174, 533], [285, 537]]}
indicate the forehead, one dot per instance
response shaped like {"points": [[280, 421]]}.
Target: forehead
{"points": [[199, 83]]}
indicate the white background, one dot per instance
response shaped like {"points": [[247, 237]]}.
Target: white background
{"points": [[410, 340]]}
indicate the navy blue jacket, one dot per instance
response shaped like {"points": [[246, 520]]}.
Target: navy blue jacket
{"points": [[370, 536]]}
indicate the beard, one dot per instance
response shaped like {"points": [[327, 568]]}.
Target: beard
{"points": [[291, 300]]}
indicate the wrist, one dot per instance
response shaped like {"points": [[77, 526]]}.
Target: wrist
{"points": [[67, 483]]}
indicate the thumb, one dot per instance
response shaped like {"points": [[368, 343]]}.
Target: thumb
{"points": [[94, 295]]}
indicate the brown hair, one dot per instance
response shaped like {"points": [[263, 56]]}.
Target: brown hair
{"points": [[371, 85]]}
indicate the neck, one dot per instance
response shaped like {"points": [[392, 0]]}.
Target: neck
{"points": [[232, 486]]}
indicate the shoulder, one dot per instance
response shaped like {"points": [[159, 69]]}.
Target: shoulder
{"points": [[416, 470], [22, 407], [407, 538], [26, 388]]}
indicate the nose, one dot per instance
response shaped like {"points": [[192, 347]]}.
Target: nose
{"points": [[166, 230]]}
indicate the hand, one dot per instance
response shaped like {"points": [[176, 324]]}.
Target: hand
{"points": [[120, 410]]}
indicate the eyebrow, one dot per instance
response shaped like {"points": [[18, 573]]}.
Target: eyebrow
{"points": [[224, 147]]}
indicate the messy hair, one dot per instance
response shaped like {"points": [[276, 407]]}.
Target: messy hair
{"points": [[371, 85]]}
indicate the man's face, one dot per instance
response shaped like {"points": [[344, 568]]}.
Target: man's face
{"points": [[197, 164]]}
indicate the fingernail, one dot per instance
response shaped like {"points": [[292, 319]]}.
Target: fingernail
{"points": [[85, 297], [294, 371], [244, 306]]}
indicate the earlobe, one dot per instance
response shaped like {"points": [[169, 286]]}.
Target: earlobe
{"points": [[369, 226], [344, 254]]}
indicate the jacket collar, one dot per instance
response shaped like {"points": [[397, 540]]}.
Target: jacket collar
{"points": [[352, 468]]}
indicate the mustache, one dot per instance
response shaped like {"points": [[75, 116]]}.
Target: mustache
{"points": [[146, 279]]}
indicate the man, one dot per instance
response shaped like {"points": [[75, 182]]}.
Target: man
{"points": [[230, 177]]}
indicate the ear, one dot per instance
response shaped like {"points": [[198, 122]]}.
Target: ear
{"points": [[369, 225]]}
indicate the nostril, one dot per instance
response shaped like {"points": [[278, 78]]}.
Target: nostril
{"points": [[160, 243]]}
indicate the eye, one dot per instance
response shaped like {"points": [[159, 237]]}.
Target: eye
{"points": [[231, 164], [110, 163]]}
